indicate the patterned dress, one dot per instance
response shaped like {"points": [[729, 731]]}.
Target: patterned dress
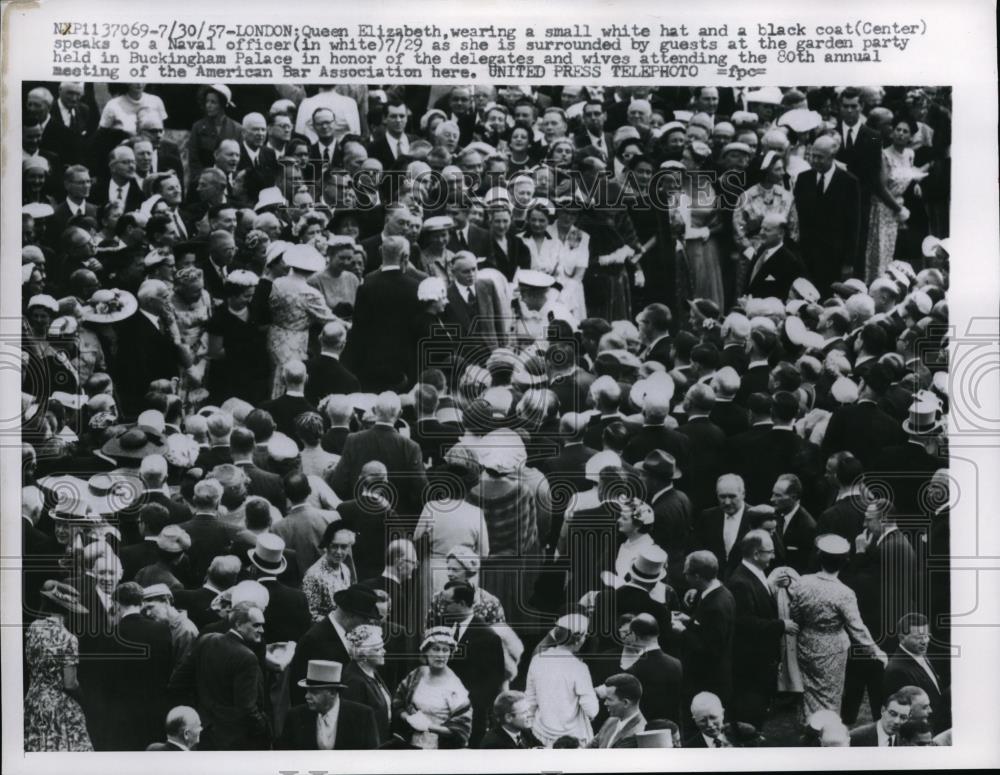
{"points": [[192, 322], [53, 721], [883, 228], [321, 583], [826, 610], [756, 202], [295, 306], [704, 250]]}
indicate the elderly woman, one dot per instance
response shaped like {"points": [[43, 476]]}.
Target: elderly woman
{"points": [[235, 345], [35, 177], [193, 309], [332, 572], [767, 197], [559, 689], [431, 707], [215, 126], [462, 564], [429, 332], [295, 306], [361, 675], [53, 718]]}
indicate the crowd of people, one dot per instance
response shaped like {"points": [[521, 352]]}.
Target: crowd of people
{"points": [[484, 417]]}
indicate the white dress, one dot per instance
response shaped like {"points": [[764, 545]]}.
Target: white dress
{"points": [[560, 690], [572, 257]]}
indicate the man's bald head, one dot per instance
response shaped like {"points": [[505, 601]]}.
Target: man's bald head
{"points": [[822, 153]]}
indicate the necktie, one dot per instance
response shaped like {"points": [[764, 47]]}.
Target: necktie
{"points": [[180, 225], [462, 242], [120, 195], [471, 297], [850, 138], [819, 184], [72, 117], [326, 155], [517, 742], [717, 742], [892, 741]]}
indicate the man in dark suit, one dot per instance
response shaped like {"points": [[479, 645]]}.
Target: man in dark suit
{"points": [[883, 732], [861, 150], [386, 305], [592, 134], [122, 185], [773, 267], [909, 666], [134, 681], [660, 674], [884, 575], [655, 435], [910, 465], [672, 513], [479, 658], [795, 526], [762, 343], [633, 594], [731, 417], [654, 330], [287, 615], [155, 348], [327, 721], [166, 155], [223, 672], [326, 639], [259, 160], [391, 140], [720, 528], [293, 402], [153, 472], [382, 442], [183, 730], [513, 720], [828, 203], [779, 450], [69, 129], [622, 694], [77, 185], [474, 306], [326, 153], [707, 633], [570, 464], [327, 375], [210, 536], [846, 515], [567, 380], [151, 520], [466, 235], [31, 138], [758, 631], [708, 446], [862, 428], [222, 574], [263, 483]]}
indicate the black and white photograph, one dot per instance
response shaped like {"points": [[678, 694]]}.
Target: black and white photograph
{"points": [[434, 417]]}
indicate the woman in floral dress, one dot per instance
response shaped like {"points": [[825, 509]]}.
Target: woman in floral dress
{"points": [[53, 719], [826, 611], [295, 307], [193, 309], [703, 239]]}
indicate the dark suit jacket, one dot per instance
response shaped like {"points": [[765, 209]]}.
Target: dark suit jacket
{"points": [[775, 276], [133, 194], [477, 242], [903, 670], [179, 510], [753, 380], [864, 159], [778, 451], [70, 142], [569, 466], [907, 468], [731, 417], [707, 459], [593, 435], [844, 517], [659, 352], [167, 746], [225, 675], [379, 148], [626, 739], [328, 375], [287, 615], [707, 645], [736, 356], [212, 456], [263, 174], [865, 736], [373, 253], [799, 538], [758, 629], [209, 538], [479, 664], [153, 355], [197, 603], [378, 350], [366, 691], [61, 217], [661, 676], [498, 739], [265, 484], [708, 531], [321, 641], [572, 390], [480, 325], [650, 437], [284, 409], [862, 429], [401, 456], [135, 557], [828, 225], [355, 729], [517, 256], [885, 579], [612, 603], [672, 530], [333, 440]]}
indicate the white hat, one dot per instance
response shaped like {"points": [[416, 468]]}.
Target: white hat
{"points": [[844, 391], [578, 624], [63, 325], [831, 543], [931, 244], [800, 120], [38, 210], [243, 278], [769, 95], [281, 447], [502, 451], [922, 301], [269, 197], [738, 147], [275, 251], [743, 117], [438, 223], [432, 289], [225, 91], [304, 258], [534, 279], [600, 461], [795, 330], [152, 418], [497, 195], [805, 289], [659, 384], [44, 300], [337, 241]]}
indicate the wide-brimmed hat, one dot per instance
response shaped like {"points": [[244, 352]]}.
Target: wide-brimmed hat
{"points": [[660, 464], [270, 197], [768, 95], [114, 491], [109, 305], [135, 443], [269, 554], [63, 595], [173, 539], [924, 419], [305, 258], [801, 120], [359, 600], [71, 499], [323, 674], [849, 287], [649, 566], [930, 245], [831, 543]]}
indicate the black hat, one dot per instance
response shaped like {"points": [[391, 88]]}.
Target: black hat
{"points": [[359, 600]]}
